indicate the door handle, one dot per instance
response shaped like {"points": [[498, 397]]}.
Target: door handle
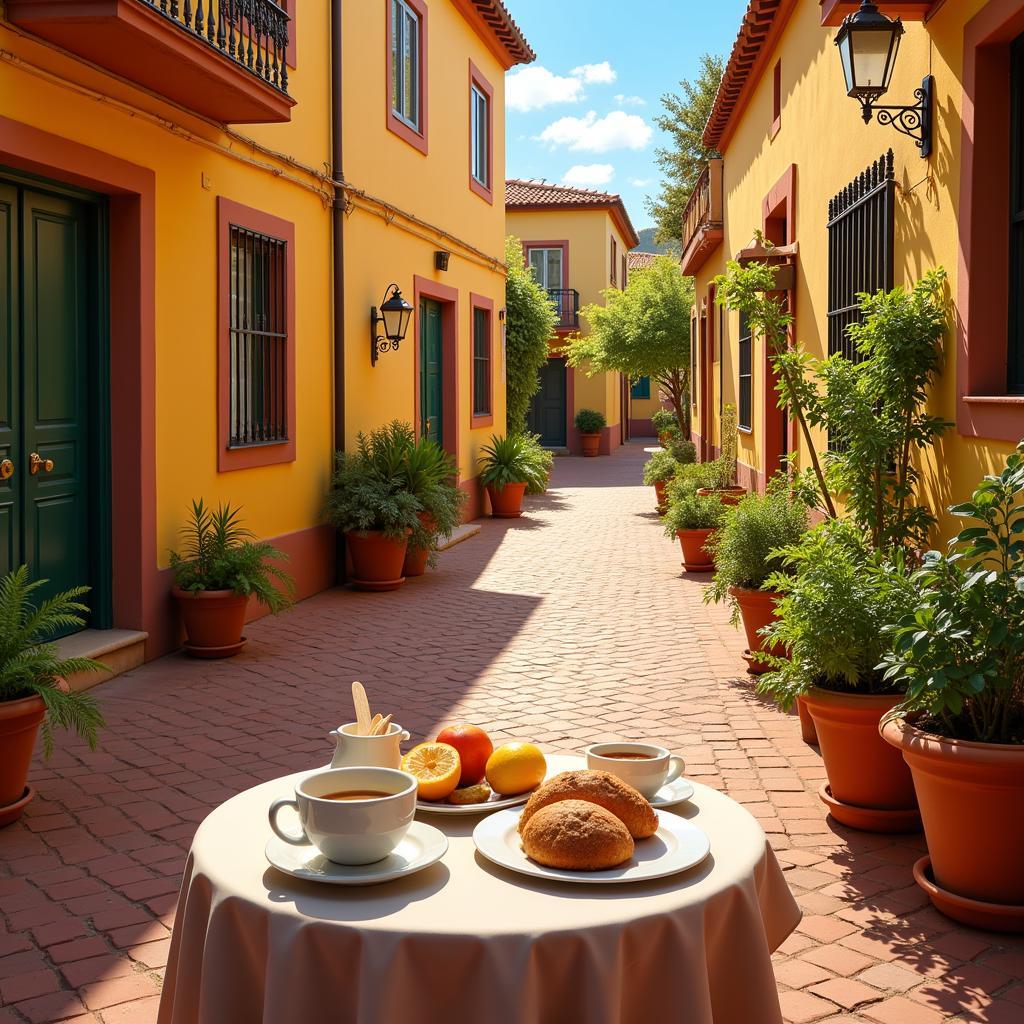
{"points": [[430, 424], [6, 469], [36, 462]]}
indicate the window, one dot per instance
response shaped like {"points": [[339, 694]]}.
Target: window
{"points": [[625, 270], [641, 388], [861, 228], [481, 362], [614, 261], [547, 267], [776, 99], [407, 80], [481, 134], [1015, 334], [745, 412]]}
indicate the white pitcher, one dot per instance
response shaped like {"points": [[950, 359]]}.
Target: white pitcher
{"points": [[354, 751]]}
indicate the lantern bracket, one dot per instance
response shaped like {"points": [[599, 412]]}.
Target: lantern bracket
{"points": [[915, 121]]}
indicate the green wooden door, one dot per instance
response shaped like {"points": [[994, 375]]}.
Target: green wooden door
{"points": [[547, 413], [431, 379], [10, 374]]}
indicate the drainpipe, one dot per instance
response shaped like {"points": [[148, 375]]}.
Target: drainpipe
{"points": [[338, 248]]}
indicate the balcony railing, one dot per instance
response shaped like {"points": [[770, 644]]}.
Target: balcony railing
{"points": [[567, 307], [702, 218]]}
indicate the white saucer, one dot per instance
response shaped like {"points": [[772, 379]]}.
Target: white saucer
{"points": [[669, 795], [495, 802], [422, 846], [677, 845]]}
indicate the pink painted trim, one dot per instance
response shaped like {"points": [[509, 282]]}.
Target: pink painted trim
{"points": [[476, 77], [416, 139], [487, 304], [425, 288], [231, 213]]}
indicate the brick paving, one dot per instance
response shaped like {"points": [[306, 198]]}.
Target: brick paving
{"points": [[571, 625]]}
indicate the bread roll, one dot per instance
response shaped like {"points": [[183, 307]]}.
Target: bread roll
{"points": [[576, 836], [601, 788]]}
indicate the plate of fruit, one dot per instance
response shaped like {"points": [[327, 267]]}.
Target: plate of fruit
{"points": [[462, 772]]}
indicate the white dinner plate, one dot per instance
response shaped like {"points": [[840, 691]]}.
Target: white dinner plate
{"points": [[422, 846], [677, 845], [668, 796], [495, 802]]}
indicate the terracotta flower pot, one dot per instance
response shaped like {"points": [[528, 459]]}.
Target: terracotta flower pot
{"points": [[213, 619], [665, 438], [695, 558], [972, 808], [727, 495], [19, 726], [376, 560], [591, 443], [507, 501], [757, 610], [807, 731], [869, 786], [661, 492], [416, 559]]}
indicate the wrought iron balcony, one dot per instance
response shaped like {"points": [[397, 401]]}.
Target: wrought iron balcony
{"points": [[567, 307], [223, 59], [702, 227]]}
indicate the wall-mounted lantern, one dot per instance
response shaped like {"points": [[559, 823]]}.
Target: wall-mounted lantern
{"points": [[395, 314], [868, 43], [441, 258]]}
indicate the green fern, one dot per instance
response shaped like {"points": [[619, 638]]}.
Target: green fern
{"points": [[30, 664], [515, 459]]}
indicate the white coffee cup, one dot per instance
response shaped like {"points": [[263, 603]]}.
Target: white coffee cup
{"points": [[647, 769], [358, 831]]}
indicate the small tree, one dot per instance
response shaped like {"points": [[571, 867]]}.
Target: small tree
{"points": [[530, 319], [643, 331]]}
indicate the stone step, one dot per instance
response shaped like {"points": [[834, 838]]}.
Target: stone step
{"points": [[459, 534], [120, 650]]}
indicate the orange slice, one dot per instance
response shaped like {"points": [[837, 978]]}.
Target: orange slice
{"points": [[436, 767]]}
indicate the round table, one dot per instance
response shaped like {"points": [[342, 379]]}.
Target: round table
{"points": [[466, 940]]}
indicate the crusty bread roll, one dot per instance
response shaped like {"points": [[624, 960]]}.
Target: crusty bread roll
{"points": [[601, 788], [577, 836]]}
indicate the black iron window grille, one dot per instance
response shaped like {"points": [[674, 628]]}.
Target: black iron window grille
{"points": [[861, 229], [481, 362], [258, 339], [745, 403], [252, 33], [567, 306]]}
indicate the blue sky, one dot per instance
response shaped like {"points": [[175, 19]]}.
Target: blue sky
{"points": [[583, 112]]}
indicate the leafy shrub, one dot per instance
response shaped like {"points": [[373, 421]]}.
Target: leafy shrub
{"points": [[30, 664], [727, 456], [747, 546], [514, 459], [665, 423], [430, 475], [959, 650], [220, 554], [838, 595], [590, 421], [682, 450], [659, 468], [544, 461], [693, 512]]}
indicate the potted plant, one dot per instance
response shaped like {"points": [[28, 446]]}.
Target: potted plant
{"points": [[590, 423], [692, 517], [220, 567], [511, 463], [32, 688], [665, 424], [837, 596], [659, 469], [959, 652], [722, 480], [746, 552], [371, 504]]}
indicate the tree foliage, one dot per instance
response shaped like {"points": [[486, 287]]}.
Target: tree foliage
{"points": [[530, 319], [643, 331], [681, 163]]}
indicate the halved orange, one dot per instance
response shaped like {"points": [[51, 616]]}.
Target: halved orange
{"points": [[436, 767]]}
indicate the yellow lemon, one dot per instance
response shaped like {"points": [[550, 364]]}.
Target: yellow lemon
{"points": [[437, 769], [515, 768]]}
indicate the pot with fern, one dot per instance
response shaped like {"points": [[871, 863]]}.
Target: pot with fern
{"points": [[220, 567], [510, 465], [659, 469], [590, 423], [33, 691], [692, 518], [722, 472], [665, 424], [746, 556]]}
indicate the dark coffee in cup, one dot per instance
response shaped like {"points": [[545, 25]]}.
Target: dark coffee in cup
{"points": [[355, 794]]}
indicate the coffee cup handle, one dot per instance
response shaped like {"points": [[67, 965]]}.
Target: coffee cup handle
{"points": [[276, 806], [404, 736], [676, 768]]}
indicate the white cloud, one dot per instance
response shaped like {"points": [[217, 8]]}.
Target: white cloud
{"points": [[639, 182], [533, 87], [630, 101], [617, 130], [595, 74], [588, 175]]}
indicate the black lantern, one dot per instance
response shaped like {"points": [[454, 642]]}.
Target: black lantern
{"points": [[868, 43], [395, 314]]}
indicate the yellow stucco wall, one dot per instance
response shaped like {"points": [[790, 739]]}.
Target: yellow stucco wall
{"points": [[823, 135]]}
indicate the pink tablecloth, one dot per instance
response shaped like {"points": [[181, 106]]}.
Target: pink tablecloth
{"points": [[466, 941]]}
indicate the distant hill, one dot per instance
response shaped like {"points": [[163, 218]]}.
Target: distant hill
{"points": [[648, 244]]}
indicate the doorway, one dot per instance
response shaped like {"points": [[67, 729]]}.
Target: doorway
{"points": [[547, 415], [431, 371], [54, 397]]}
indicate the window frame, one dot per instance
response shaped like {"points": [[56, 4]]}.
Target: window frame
{"points": [[640, 389], [776, 124], [479, 84], [481, 303], [745, 335], [614, 276], [562, 247], [233, 214], [398, 124]]}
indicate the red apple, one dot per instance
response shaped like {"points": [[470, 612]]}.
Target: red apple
{"points": [[474, 747]]}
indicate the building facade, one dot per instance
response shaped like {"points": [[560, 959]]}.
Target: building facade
{"points": [[171, 206], [855, 207], [577, 241]]}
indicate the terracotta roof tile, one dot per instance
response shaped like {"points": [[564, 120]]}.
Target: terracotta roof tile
{"points": [[534, 195], [497, 18], [639, 260]]}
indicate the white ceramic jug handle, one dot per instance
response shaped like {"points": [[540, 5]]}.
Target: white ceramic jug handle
{"points": [[404, 736], [676, 768], [276, 806]]}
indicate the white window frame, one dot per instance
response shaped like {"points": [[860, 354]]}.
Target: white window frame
{"points": [[479, 120], [561, 265], [402, 16]]}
